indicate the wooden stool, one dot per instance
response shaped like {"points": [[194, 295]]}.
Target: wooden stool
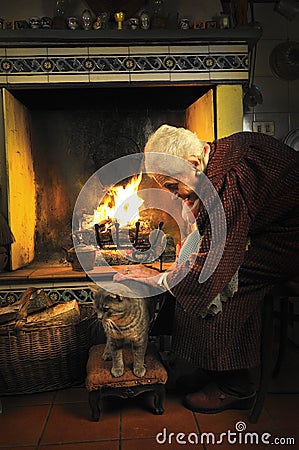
{"points": [[283, 292], [100, 383]]}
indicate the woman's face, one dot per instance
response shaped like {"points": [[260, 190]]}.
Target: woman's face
{"points": [[181, 190], [179, 176]]}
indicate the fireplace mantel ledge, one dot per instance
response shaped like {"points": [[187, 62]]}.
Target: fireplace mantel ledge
{"points": [[81, 38], [49, 57]]}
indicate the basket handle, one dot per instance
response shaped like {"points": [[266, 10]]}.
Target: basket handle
{"points": [[24, 305]]}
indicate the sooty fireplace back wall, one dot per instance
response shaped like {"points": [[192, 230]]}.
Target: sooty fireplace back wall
{"points": [[75, 132]]}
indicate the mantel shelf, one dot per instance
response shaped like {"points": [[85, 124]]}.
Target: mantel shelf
{"points": [[62, 38]]}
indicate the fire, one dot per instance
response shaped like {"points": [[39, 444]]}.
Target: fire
{"points": [[121, 203]]}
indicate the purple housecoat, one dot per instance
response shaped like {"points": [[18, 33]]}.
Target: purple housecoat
{"points": [[257, 180]]}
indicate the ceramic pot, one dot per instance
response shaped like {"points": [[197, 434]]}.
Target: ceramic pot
{"points": [[82, 258]]}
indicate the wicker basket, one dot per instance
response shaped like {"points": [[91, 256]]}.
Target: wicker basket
{"points": [[43, 357]]}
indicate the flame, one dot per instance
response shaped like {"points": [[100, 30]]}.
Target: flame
{"points": [[121, 203]]}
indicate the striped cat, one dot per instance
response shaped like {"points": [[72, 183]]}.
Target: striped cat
{"points": [[124, 319]]}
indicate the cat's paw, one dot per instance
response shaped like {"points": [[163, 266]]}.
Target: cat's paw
{"points": [[139, 371], [107, 356], [117, 371]]}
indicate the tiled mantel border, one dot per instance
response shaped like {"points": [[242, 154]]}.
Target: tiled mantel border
{"points": [[206, 63]]}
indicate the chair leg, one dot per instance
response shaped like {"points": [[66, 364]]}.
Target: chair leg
{"points": [[283, 317], [266, 358], [94, 398]]}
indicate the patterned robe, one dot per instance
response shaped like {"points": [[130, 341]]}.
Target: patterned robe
{"points": [[257, 180]]}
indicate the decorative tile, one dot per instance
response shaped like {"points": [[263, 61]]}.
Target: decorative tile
{"points": [[229, 76], [196, 76], [21, 52], [116, 63], [21, 65], [109, 77], [27, 79], [150, 76], [188, 49], [68, 78], [233, 48], [149, 50], [59, 294], [108, 51], [67, 51]]}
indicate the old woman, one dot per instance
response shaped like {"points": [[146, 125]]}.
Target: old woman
{"points": [[217, 324]]}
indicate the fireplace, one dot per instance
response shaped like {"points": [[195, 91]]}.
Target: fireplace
{"points": [[68, 111]]}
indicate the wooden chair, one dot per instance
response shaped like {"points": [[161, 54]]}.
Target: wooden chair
{"points": [[283, 292], [100, 383]]}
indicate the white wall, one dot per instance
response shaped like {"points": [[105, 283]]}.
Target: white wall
{"points": [[281, 98]]}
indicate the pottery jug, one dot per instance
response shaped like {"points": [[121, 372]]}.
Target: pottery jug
{"points": [[82, 257]]}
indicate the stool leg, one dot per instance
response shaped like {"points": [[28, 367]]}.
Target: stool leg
{"points": [[94, 401], [266, 358], [159, 395]]}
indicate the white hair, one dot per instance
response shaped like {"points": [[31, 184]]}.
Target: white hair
{"points": [[175, 141]]}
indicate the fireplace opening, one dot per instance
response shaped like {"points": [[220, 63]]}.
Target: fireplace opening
{"points": [[72, 132]]}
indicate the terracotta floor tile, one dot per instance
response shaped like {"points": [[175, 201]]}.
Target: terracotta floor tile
{"points": [[139, 422], [227, 420], [22, 425], [70, 422], [151, 444], [71, 395], [284, 410], [217, 441], [69, 426], [286, 438], [107, 445], [18, 448], [252, 440], [43, 398]]}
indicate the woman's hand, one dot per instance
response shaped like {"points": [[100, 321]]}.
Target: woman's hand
{"points": [[138, 272]]}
